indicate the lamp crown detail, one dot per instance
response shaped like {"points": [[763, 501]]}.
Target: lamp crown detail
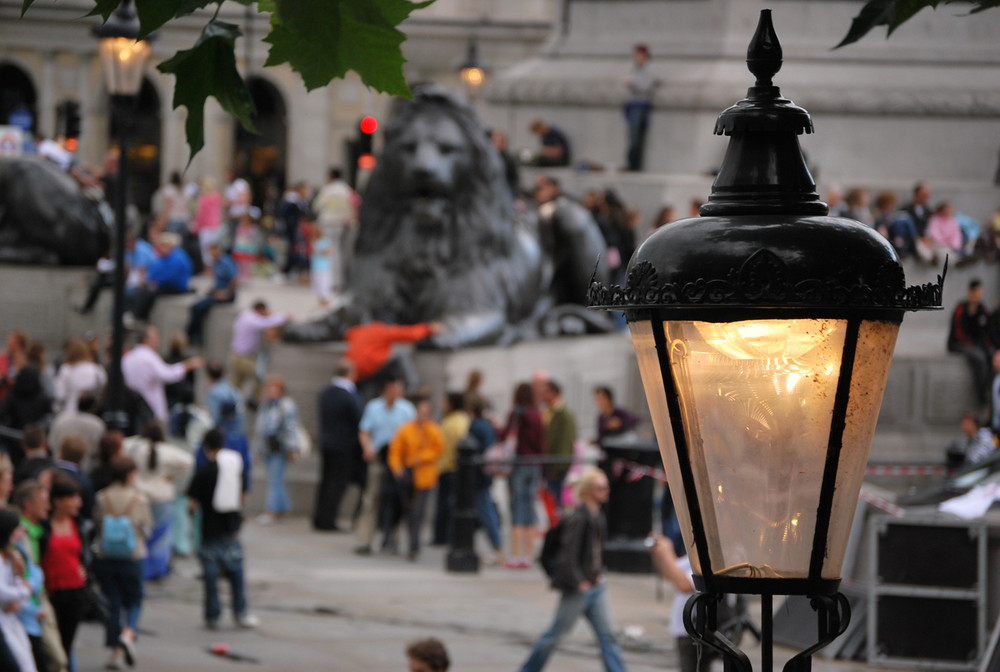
{"points": [[764, 52]]}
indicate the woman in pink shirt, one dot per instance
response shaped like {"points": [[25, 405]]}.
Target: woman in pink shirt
{"points": [[207, 222], [943, 228]]}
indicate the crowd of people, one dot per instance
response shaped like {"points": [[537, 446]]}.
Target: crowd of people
{"points": [[100, 510], [204, 226]]}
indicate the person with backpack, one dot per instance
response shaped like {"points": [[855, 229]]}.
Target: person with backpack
{"points": [[217, 490], [277, 444], [572, 556], [123, 522]]}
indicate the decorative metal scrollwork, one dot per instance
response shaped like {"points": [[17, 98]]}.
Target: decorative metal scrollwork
{"points": [[763, 280]]}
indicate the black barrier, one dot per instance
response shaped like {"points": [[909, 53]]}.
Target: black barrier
{"points": [[462, 555]]}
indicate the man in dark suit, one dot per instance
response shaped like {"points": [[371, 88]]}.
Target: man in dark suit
{"points": [[340, 411]]}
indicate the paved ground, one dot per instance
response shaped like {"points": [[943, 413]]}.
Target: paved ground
{"points": [[324, 608]]}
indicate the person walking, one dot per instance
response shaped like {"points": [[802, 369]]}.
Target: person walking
{"points": [[62, 560], [340, 411], [277, 443], [579, 577], [161, 466], [525, 424], [560, 435], [413, 461], [217, 491], [123, 522], [382, 416], [482, 432]]}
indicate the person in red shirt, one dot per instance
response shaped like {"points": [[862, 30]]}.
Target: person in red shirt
{"points": [[369, 346], [62, 562]]}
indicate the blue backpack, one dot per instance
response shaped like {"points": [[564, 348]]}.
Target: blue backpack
{"points": [[117, 533]]}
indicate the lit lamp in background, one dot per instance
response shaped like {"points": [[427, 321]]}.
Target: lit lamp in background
{"points": [[764, 331], [123, 62], [471, 71]]}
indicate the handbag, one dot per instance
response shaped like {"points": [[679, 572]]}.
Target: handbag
{"points": [[498, 457]]}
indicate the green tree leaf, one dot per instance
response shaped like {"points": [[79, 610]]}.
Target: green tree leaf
{"points": [[894, 13], [324, 40], [209, 69], [104, 8], [154, 14]]}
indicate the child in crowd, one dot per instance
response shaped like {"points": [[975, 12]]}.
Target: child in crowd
{"points": [[321, 264], [246, 246]]}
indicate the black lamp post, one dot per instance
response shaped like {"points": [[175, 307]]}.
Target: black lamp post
{"points": [[123, 61], [764, 332]]}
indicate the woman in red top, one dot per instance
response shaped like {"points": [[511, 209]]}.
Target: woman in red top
{"points": [[525, 423], [65, 577]]}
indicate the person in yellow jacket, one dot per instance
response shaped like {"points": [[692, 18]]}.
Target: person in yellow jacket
{"points": [[412, 458]]}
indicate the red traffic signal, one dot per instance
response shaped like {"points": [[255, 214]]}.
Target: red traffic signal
{"points": [[368, 125]]}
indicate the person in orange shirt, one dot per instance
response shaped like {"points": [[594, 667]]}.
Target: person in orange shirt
{"points": [[369, 346], [413, 456]]}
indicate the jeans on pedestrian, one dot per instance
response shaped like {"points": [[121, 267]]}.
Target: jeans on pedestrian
{"points": [[637, 118], [278, 500], [222, 557], [121, 584], [416, 508], [486, 510], [593, 604], [159, 546], [524, 481]]}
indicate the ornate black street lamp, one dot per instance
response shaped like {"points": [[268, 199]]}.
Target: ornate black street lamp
{"points": [[764, 332], [123, 62]]}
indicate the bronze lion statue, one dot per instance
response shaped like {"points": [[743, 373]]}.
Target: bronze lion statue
{"points": [[45, 216], [440, 240]]}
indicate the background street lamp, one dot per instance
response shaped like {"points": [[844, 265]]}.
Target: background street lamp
{"points": [[471, 71], [123, 62], [764, 332]]}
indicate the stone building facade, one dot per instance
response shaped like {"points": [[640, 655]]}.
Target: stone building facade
{"points": [[49, 57]]}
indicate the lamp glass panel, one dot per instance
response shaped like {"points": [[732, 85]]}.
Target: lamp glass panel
{"points": [[652, 383], [757, 400], [876, 342], [472, 76], [123, 61]]}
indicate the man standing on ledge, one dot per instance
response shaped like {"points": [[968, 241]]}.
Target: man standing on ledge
{"points": [[580, 577], [637, 106]]}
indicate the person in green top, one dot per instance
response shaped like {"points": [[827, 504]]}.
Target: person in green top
{"points": [[32, 498], [560, 435]]}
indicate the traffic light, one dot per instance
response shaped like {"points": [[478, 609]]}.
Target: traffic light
{"points": [[366, 131]]}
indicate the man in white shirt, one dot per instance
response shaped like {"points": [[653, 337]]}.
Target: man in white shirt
{"points": [[336, 209], [248, 330], [146, 373]]}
